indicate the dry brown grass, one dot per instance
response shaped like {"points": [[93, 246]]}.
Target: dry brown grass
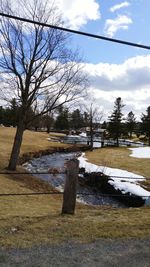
{"points": [[56, 134], [28, 220], [39, 221], [32, 142], [119, 158]]}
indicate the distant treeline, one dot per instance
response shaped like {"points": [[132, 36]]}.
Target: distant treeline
{"points": [[63, 119]]}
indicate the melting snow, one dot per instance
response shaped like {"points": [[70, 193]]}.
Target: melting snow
{"points": [[140, 152], [122, 181], [83, 135]]}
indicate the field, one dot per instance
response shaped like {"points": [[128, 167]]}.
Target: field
{"points": [[28, 220]]}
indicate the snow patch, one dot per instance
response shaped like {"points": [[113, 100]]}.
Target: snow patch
{"points": [[132, 188], [140, 152], [122, 181], [83, 135]]}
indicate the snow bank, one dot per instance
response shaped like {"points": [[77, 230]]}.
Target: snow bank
{"points": [[128, 187], [90, 167], [83, 135], [122, 181], [140, 152]]}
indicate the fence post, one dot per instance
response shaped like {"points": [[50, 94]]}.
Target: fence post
{"points": [[69, 196]]}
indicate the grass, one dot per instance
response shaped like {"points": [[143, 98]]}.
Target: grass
{"points": [[56, 134], [44, 224], [29, 220], [120, 158], [32, 142]]}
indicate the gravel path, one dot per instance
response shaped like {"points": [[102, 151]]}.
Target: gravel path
{"points": [[103, 253]]}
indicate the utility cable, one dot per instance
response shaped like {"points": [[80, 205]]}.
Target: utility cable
{"points": [[78, 193], [76, 32]]}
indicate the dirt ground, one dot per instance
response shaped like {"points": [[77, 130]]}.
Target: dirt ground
{"points": [[103, 253]]}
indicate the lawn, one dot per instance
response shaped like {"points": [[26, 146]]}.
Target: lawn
{"points": [[28, 220]]}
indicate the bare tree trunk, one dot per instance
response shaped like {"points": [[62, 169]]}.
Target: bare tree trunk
{"points": [[102, 142], [117, 143], [130, 134], [69, 197], [91, 140], [16, 146], [91, 130], [48, 129], [25, 55]]}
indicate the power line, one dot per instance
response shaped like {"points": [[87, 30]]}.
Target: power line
{"points": [[43, 173], [78, 193], [76, 32], [30, 194]]}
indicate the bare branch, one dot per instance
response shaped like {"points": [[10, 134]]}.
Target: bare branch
{"points": [[36, 64]]}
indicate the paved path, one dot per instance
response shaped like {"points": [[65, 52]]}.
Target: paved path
{"points": [[103, 253]]}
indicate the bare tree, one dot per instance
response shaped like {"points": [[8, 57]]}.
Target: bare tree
{"points": [[94, 114], [95, 118], [36, 66]]}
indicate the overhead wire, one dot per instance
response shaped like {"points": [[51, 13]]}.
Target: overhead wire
{"points": [[75, 31], [78, 193], [56, 173]]}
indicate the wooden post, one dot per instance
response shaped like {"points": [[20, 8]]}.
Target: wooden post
{"points": [[69, 196]]}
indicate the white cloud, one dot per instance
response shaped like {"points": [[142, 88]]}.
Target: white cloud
{"points": [[77, 13], [113, 25], [133, 74], [119, 6], [129, 80]]}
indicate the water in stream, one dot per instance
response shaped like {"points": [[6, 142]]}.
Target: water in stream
{"points": [[57, 160]]}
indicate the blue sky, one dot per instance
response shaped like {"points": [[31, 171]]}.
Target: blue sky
{"points": [[113, 70], [137, 30]]}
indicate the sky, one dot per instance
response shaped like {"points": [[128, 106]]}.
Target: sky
{"points": [[114, 70]]}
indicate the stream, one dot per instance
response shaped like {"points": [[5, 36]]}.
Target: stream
{"points": [[57, 160]]}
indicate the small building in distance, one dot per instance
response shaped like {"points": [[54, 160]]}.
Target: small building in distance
{"points": [[97, 133]]}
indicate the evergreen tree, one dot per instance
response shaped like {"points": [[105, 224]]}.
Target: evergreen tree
{"points": [[9, 116], [62, 120], [86, 119], [48, 122], [14, 112], [104, 125], [146, 123], [1, 115], [115, 120], [76, 120], [130, 122]]}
